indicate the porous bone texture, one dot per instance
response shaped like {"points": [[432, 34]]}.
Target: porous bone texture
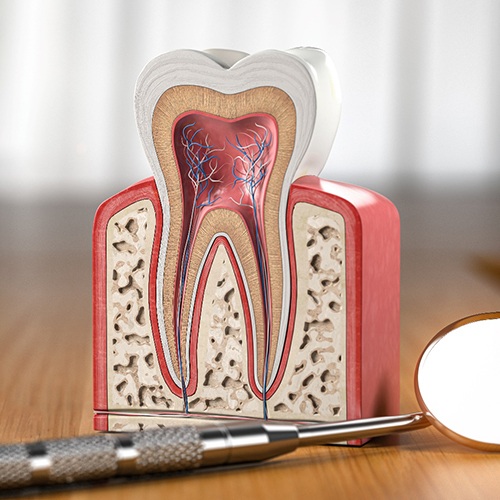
{"points": [[134, 378], [314, 384]]}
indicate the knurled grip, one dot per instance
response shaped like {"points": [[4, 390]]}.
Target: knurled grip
{"points": [[100, 456], [174, 448]]}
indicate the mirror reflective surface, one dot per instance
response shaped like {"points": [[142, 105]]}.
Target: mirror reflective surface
{"points": [[457, 381]]}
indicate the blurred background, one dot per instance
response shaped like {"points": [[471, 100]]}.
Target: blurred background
{"points": [[420, 82]]}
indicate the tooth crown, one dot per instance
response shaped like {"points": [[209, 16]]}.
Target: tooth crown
{"points": [[233, 283]]}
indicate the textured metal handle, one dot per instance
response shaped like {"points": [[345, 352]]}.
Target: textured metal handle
{"points": [[100, 456]]}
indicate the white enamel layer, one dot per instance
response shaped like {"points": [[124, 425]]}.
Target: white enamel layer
{"points": [[305, 75]]}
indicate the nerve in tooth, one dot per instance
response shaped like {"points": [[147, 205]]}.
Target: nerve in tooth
{"points": [[202, 165], [250, 168], [222, 164]]}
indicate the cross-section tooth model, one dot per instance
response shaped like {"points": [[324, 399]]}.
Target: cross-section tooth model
{"points": [[236, 283]]}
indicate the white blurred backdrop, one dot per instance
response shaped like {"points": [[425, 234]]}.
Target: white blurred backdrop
{"points": [[420, 82]]}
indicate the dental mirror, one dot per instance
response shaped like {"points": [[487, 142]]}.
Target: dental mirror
{"points": [[457, 381], [457, 385]]}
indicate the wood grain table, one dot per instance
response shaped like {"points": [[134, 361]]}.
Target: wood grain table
{"points": [[450, 269]]}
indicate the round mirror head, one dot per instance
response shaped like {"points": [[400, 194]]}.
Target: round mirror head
{"points": [[457, 381]]}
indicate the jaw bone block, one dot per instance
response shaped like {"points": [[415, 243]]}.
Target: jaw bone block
{"points": [[236, 283]]}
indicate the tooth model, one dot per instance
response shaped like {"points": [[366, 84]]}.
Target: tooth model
{"points": [[236, 283]]}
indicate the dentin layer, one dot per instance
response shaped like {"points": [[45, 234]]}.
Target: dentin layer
{"points": [[223, 159]]}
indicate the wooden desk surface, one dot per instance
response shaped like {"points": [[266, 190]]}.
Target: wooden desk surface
{"points": [[45, 369]]}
